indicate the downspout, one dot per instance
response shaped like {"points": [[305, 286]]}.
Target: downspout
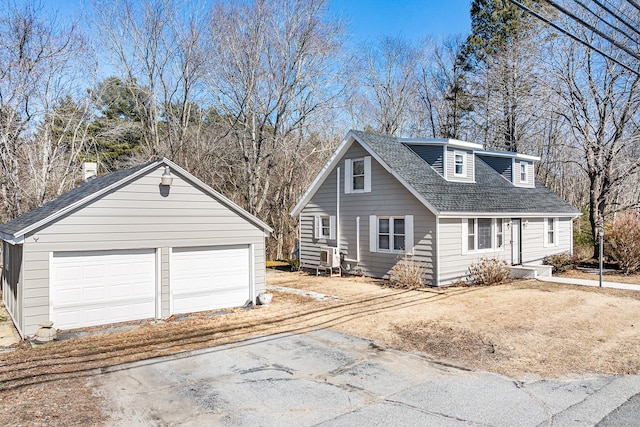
{"points": [[300, 240], [357, 239], [338, 209], [437, 266]]}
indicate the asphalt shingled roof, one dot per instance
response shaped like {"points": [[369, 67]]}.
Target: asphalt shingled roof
{"points": [[85, 189], [490, 193]]}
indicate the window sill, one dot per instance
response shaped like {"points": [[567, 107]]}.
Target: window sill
{"points": [[388, 251], [483, 251]]}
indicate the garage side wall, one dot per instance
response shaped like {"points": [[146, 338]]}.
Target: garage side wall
{"points": [[11, 278], [140, 215]]}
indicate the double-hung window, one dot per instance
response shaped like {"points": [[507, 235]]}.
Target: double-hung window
{"points": [[324, 227], [391, 234], [483, 234], [523, 172], [551, 232], [459, 164], [357, 175]]}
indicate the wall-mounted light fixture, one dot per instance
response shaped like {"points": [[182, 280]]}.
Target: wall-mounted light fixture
{"points": [[167, 178], [525, 223]]}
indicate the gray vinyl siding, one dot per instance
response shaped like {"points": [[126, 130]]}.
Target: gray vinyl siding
{"points": [[530, 174], [470, 165], [502, 165], [11, 280], [387, 198], [454, 264], [432, 154], [533, 249], [136, 216], [165, 309]]}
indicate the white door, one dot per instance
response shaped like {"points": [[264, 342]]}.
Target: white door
{"points": [[516, 241], [102, 287], [209, 278]]}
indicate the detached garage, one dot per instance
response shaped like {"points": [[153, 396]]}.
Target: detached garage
{"points": [[140, 243]]}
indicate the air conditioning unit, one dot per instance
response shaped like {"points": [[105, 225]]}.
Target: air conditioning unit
{"points": [[329, 257]]}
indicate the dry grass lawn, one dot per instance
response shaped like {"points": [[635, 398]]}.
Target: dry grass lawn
{"points": [[521, 330]]}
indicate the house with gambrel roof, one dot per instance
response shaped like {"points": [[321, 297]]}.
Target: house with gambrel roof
{"points": [[445, 202]]}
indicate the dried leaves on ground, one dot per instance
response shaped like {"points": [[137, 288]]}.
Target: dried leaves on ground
{"points": [[519, 329]]}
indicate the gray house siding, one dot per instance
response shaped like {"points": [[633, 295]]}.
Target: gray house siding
{"points": [[450, 165], [533, 247], [432, 154], [135, 216], [454, 263], [387, 198], [530, 174], [11, 280]]}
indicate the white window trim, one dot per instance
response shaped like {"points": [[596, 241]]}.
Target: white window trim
{"points": [[494, 237], [317, 227], [464, 164], [348, 175], [374, 235], [556, 233]]}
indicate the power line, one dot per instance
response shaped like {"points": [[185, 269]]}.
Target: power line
{"points": [[576, 38], [594, 29], [607, 23], [618, 15], [634, 4]]}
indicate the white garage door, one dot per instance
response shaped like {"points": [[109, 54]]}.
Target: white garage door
{"points": [[209, 278], [101, 287]]}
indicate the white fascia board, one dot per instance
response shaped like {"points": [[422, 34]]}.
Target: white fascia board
{"points": [[324, 172], [87, 199], [412, 190], [12, 240], [516, 156], [442, 141], [218, 196], [508, 215]]}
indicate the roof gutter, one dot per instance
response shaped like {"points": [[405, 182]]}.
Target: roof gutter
{"points": [[509, 214], [12, 240]]}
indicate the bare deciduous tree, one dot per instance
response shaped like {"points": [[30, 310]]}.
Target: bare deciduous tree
{"points": [[155, 46], [42, 126], [388, 81], [274, 68], [600, 103]]}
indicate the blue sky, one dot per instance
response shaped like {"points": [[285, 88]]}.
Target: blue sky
{"points": [[371, 19], [413, 19]]}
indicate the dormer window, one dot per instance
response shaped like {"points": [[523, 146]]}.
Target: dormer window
{"points": [[460, 160], [523, 172]]}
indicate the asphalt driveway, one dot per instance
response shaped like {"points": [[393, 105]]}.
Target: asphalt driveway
{"points": [[329, 378]]}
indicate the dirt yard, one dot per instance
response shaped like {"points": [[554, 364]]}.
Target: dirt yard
{"points": [[524, 330]]}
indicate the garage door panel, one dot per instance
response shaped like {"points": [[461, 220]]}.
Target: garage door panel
{"points": [[209, 278], [101, 287]]}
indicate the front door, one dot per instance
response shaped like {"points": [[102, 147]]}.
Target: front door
{"points": [[516, 241]]}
